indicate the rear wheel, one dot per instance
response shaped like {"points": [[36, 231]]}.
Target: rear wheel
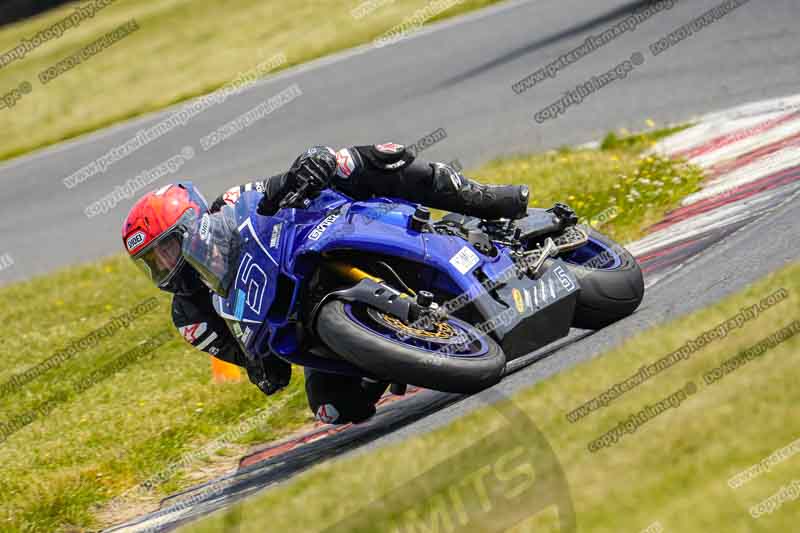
{"points": [[612, 286], [452, 357]]}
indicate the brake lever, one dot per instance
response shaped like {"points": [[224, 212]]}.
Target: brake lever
{"points": [[292, 199]]}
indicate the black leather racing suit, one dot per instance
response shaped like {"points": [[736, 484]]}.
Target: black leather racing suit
{"points": [[360, 172]]}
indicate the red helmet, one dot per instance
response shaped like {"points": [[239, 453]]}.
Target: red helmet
{"points": [[154, 230]]}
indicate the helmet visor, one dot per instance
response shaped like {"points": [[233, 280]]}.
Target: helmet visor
{"points": [[161, 259]]}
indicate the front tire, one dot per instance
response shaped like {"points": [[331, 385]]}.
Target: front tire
{"points": [[384, 347], [612, 285]]}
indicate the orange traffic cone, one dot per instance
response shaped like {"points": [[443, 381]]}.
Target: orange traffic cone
{"points": [[224, 372]]}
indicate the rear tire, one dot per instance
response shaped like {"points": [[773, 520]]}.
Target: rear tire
{"points": [[612, 285], [357, 334]]}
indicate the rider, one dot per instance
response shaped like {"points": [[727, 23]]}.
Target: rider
{"points": [[157, 223]]}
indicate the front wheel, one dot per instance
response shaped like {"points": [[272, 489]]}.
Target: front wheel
{"points": [[612, 286], [452, 357]]}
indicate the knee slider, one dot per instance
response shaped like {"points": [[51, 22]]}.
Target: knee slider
{"points": [[386, 156]]}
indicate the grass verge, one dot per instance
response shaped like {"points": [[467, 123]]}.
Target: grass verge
{"points": [[182, 49], [81, 450], [615, 187], [135, 420], [672, 470]]}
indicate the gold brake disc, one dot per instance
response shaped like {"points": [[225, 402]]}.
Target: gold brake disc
{"points": [[443, 329]]}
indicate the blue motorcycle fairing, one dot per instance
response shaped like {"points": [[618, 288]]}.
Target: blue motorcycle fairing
{"points": [[372, 226], [266, 241], [381, 226], [263, 303], [254, 287]]}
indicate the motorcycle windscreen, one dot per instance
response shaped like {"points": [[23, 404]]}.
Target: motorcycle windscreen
{"points": [[213, 247]]}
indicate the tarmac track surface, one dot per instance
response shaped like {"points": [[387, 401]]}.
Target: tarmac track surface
{"points": [[740, 258], [456, 76]]}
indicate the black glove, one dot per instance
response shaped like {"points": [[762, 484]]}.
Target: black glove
{"points": [[316, 167], [270, 374]]}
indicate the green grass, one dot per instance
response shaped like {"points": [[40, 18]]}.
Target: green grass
{"points": [[618, 180], [673, 470], [641, 141], [128, 426], [184, 48], [63, 468]]}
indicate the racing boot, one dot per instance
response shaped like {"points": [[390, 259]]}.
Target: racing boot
{"points": [[453, 192]]}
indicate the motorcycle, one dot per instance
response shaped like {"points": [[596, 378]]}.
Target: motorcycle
{"points": [[378, 289]]}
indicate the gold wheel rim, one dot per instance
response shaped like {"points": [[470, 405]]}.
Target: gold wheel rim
{"points": [[443, 329]]}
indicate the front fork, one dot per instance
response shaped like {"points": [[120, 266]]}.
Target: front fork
{"points": [[411, 310], [375, 292]]}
